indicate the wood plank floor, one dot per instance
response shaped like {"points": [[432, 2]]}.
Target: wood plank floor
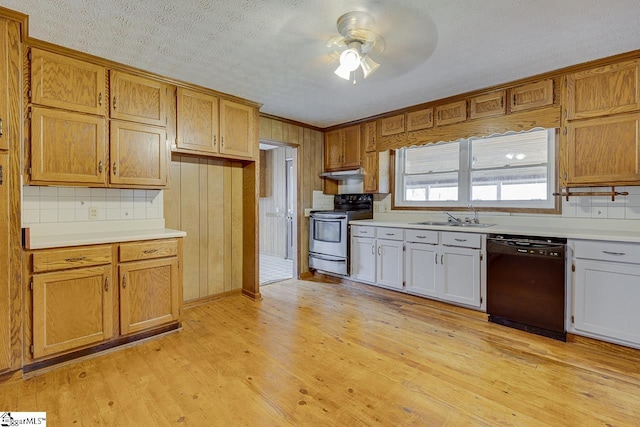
{"points": [[328, 354]]}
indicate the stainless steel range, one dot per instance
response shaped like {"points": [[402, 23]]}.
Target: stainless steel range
{"points": [[329, 232]]}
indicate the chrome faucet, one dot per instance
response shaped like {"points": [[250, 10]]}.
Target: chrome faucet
{"points": [[453, 218], [475, 215]]}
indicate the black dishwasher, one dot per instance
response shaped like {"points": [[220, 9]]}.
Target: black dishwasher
{"points": [[526, 283]]}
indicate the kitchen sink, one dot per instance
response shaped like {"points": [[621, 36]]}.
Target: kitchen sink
{"points": [[453, 224]]}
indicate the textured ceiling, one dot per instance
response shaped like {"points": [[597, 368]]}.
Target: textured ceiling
{"points": [[274, 52]]}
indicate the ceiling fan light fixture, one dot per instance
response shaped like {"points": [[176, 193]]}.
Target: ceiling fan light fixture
{"points": [[369, 66], [343, 72], [350, 59]]}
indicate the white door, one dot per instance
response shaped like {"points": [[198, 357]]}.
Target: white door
{"points": [[390, 265], [460, 275], [363, 259], [420, 269], [606, 299]]}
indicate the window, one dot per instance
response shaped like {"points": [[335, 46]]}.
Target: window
{"points": [[513, 170]]}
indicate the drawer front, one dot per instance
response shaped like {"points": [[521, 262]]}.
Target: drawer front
{"points": [[390, 233], [421, 236], [62, 259], [363, 231], [465, 240], [148, 250], [607, 251]]}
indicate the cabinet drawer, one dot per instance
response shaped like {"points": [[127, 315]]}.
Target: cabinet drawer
{"points": [[363, 231], [389, 233], [607, 251], [148, 250], [422, 236], [61, 259], [465, 240]]}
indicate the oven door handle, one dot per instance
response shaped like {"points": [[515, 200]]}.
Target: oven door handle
{"points": [[324, 258], [321, 217]]}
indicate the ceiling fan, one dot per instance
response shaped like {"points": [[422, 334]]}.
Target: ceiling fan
{"points": [[360, 44]]}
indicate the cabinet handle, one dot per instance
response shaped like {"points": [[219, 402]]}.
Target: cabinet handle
{"points": [[363, 232], [436, 258], [390, 234], [1, 128], [565, 113], [115, 169], [124, 281], [442, 259], [106, 284], [114, 102], [564, 132], [100, 167], [373, 249], [614, 253], [215, 139], [100, 98], [501, 101], [421, 237], [1, 175], [514, 100], [222, 140], [378, 250], [76, 259], [460, 240], [150, 251]]}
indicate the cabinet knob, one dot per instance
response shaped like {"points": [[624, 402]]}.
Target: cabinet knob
{"points": [[115, 169], [106, 284], [100, 98], [114, 102], [100, 167]]}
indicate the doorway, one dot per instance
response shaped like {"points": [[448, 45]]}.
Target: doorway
{"points": [[278, 213]]}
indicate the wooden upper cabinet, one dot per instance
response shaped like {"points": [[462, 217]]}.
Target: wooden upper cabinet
{"points": [[138, 99], [333, 150], [609, 89], [61, 82], [67, 147], [370, 169], [418, 120], [351, 138], [139, 155], [198, 121], [532, 95], [453, 112], [71, 309], [369, 136], [603, 150], [487, 105], [392, 125], [237, 129]]}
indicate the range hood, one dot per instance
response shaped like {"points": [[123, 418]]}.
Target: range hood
{"points": [[343, 175]]}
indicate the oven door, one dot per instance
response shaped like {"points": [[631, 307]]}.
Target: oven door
{"points": [[328, 234]]}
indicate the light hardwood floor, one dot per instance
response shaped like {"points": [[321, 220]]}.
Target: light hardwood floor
{"points": [[327, 354]]}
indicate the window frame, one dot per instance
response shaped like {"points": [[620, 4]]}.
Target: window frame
{"points": [[551, 205]]}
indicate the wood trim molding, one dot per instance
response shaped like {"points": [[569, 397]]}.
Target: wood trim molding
{"points": [[205, 300], [291, 122]]}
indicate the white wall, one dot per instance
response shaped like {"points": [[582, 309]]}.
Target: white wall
{"points": [[72, 204]]}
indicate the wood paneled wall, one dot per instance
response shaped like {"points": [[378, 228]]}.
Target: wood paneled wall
{"points": [[205, 199], [310, 145], [273, 209]]}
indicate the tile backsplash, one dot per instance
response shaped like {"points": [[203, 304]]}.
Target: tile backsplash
{"points": [[74, 204]]}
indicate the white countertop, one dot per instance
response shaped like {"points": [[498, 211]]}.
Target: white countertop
{"points": [[525, 230], [43, 236]]}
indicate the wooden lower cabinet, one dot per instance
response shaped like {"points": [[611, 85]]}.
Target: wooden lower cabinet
{"points": [[71, 309], [148, 294], [82, 297]]}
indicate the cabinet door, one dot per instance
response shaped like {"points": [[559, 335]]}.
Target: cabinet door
{"points": [[460, 276], [5, 305], [370, 166], [4, 87], [138, 99], [61, 82], [490, 104], [351, 138], [67, 147], [420, 269], [390, 263], [532, 95], [333, 150], [71, 309], [606, 299], [454, 112], [369, 135], [363, 259], [237, 129], [604, 90], [418, 120], [603, 150], [148, 294], [197, 127], [392, 125], [139, 155]]}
